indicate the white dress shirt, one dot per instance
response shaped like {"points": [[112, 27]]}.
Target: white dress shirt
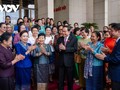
{"points": [[32, 40]]}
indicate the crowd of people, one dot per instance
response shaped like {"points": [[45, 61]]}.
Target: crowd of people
{"points": [[34, 53]]}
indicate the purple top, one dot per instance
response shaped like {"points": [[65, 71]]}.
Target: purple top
{"points": [[6, 67], [16, 38]]}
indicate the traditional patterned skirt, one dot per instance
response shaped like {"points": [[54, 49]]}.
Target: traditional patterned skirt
{"points": [[41, 73]]}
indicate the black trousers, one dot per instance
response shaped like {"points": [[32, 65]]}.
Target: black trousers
{"points": [[7, 84], [115, 85], [69, 73]]}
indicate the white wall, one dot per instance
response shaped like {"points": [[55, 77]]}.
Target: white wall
{"points": [[77, 11], [89, 11], [62, 14], [45, 8], [99, 13], [114, 11]]}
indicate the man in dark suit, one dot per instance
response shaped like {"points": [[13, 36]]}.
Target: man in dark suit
{"points": [[66, 46], [114, 58]]}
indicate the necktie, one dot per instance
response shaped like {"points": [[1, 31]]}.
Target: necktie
{"points": [[65, 38]]}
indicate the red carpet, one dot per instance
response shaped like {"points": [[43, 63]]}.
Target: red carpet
{"points": [[54, 86]]}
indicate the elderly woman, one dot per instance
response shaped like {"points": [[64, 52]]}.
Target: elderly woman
{"points": [[7, 62], [23, 68], [41, 63]]}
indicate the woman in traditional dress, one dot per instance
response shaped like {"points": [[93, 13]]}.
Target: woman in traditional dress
{"points": [[41, 63], [23, 68], [7, 62], [93, 70], [81, 42]]}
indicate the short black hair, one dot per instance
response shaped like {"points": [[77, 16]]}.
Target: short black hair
{"points": [[97, 33], [54, 27], [65, 22], [19, 25], [38, 20], [35, 26], [5, 36], [115, 26], [2, 24], [19, 19], [51, 19], [111, 24], [24, 31], [68, 27], [48, 27], [60, 26], [59, 22], [76, 23], [41, 34], [42, 18], [106, 32], [7, 16], [76, 29], [85, 29], [25, 16]]}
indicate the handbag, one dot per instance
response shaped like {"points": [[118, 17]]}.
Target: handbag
{"points": [[77, 58]]}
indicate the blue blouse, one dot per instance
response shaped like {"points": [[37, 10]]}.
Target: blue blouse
{"points": [[42, 30], [42, 59], [16, 28], [20, 49], [97, 49]]}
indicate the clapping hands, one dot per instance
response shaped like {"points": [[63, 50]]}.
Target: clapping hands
{"points": [[62, 47], [19, 57], [105, 49], [100, 56], [43, 50], [82, 45], [87, 47], [30, 48]]}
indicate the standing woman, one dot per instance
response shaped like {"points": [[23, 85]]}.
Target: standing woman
{"points": [[21, 27], [23, 68], [41, 64], [76, 68], [34, 36], [81, 43], [19, 20], [47, 21], [7, 62], [57, 37], [49, 39], [93, 70]]}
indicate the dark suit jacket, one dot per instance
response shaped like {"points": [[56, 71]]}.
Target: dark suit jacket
{"points": [[66, 57], [114, 63]]}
